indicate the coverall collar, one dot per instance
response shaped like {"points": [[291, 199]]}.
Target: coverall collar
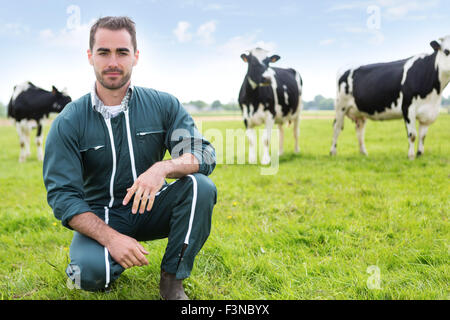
{"points": [[99, 106]]}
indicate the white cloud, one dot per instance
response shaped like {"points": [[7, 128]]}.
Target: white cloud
{"points": [[205, 32], [392, 9], [203, 35], [373, 36], [76, 37], [218, 74], [327, 42], [14, 29], [239, 44], [206, 5], [213, 7], [403, 9], [290, 9], [349, 6], [182, 33]]}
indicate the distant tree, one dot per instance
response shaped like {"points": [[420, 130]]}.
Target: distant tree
{"points": [[231, 106], [320, 103], [446, 101], [2, 110], [216, 105], [199, 104]]}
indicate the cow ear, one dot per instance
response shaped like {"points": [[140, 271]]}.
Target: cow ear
{"points": [[275, 58], [435, 45], [244, 57]]}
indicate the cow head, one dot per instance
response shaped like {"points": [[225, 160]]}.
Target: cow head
{"points": [[61, 100], [442, 47], [259, 73]]}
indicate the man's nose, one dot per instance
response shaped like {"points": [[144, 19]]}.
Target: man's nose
{"points": [[113, 61]]}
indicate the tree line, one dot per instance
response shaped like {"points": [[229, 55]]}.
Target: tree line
{"points": [[3, 110], [318, 103]]}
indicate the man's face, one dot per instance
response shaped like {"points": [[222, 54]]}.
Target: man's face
{"points": [[113, 58]]}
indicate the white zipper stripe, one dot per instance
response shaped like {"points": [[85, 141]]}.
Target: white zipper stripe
{"points": [[106, 252], [194, 202], [111, 192], [130, 145], [113, 148]]}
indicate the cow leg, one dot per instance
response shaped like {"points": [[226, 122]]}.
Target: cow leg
{"points": [[338, 126], [423, 130], [251, 135], [21, 141], [266, 141], [27, 131], [410, 122], [360, 124], [281, 144], [296, 134], [23, 132], [39, 142]]}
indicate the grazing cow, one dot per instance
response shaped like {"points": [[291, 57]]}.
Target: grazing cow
{"points": [[410, 89], [32, 103], [269, 95]]}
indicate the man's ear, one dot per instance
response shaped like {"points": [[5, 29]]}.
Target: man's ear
{"points": [[274, 58], [136, 58], [89, 54], [244, 57], [435, 45]]}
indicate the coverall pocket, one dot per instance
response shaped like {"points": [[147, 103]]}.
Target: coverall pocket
{"points": [[94, 148], [142, 132], [93, 154], [150, 142]]}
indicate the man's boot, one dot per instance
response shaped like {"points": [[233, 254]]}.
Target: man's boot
{"points": [[171, 288]]}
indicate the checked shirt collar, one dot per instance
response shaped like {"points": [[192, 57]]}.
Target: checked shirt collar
{"points": [[99, 106]]}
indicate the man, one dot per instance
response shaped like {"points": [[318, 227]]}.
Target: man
{"points": [[105, 175]]}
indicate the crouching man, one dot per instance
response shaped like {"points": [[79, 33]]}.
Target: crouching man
{"points": [[106, 178]]}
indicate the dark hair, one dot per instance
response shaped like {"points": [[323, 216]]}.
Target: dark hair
{"points": [[114, 23]]}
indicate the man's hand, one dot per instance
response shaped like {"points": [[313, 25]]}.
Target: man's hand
{"points": [[127, 251], [145, 188], [150, 182]]}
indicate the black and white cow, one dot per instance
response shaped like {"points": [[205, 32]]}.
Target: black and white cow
{"points": [[269, 95], [29, 102], [410, 89]]}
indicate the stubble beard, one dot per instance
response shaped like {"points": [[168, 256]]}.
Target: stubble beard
{"points": [[101, 79]]}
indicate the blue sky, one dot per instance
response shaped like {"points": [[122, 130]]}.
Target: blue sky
{"points": [[191, 48]]}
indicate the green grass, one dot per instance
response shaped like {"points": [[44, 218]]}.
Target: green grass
{"points": [[309, 232]]}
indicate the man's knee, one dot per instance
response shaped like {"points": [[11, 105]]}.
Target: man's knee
{"points": [[206, 189], [87, 274]]}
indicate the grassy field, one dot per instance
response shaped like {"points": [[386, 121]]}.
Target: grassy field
{"points": [[321, 228]]}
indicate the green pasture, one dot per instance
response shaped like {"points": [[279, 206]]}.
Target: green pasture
{"points": [[347, 227]]}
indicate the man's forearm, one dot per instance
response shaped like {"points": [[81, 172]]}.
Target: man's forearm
{"points": [[93, 227], [179, 167], [126, 251]]}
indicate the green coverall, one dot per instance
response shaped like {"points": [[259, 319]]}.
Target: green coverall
{"points": [[91, 158]]}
